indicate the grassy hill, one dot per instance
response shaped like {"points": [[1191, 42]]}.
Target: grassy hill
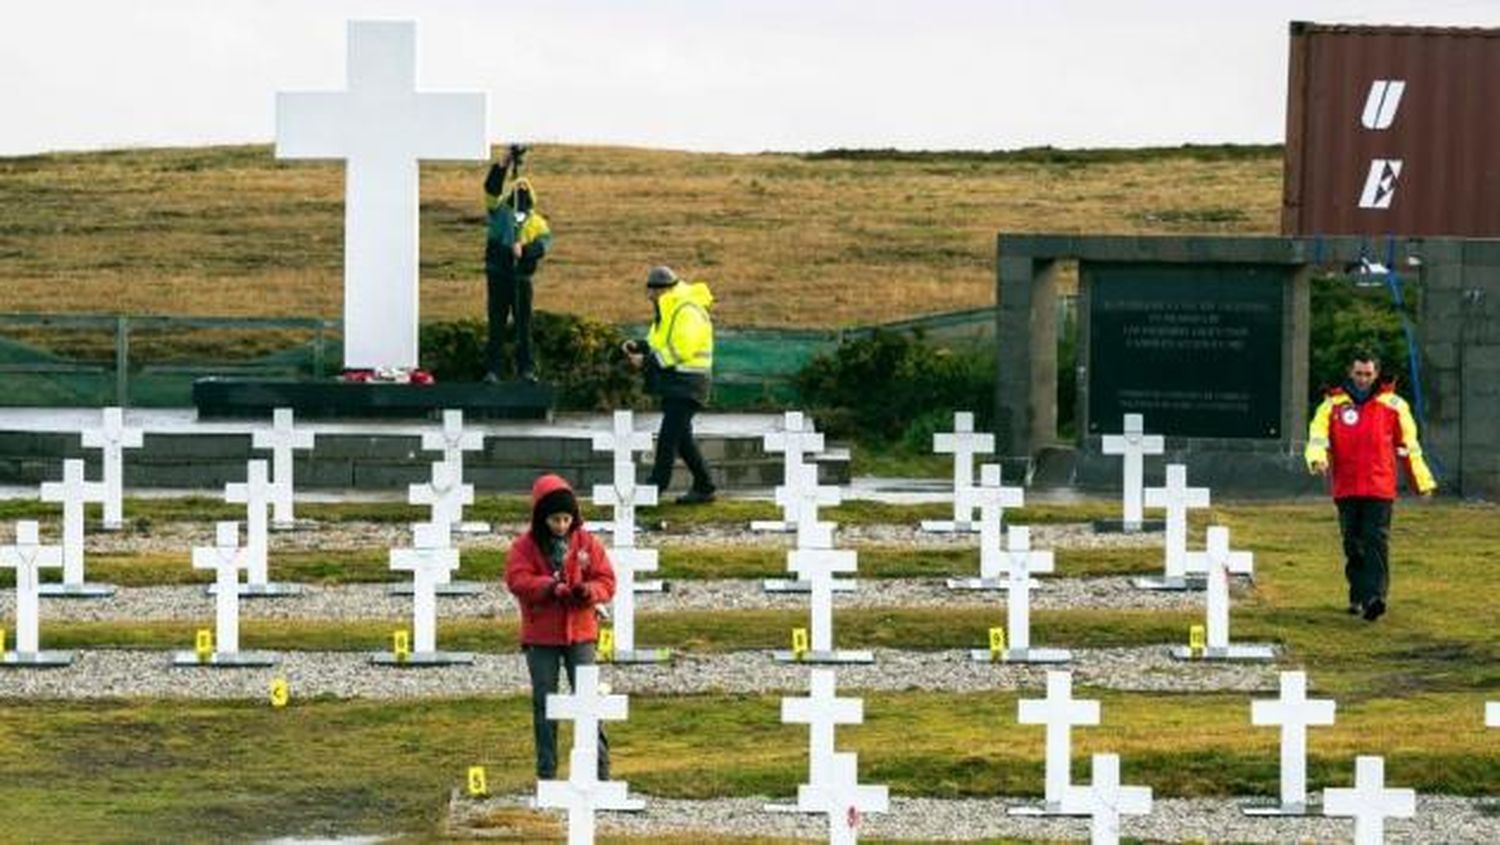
{"points": [[822, 240]]}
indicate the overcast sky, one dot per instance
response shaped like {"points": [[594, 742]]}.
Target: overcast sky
{"points": [[731, 75]]}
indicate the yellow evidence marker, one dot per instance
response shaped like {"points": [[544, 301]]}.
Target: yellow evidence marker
{"points": [[203, 645], [478, 787], [997, 644], [401, 644], [606, 647], [281, 692], [799, 643], [1196, 641]]}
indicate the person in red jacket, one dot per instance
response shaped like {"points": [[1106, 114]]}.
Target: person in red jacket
{"points": [[558, 573], [1356, 437]]}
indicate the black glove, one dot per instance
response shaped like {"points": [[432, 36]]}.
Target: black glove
{"points": [[580, 594]]}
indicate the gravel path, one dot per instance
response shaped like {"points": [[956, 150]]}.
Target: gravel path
{"points": [[103, 673], [1439, 818], [373, 601]]}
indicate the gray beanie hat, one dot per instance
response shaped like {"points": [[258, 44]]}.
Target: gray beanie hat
{"points": [[661, 276]]}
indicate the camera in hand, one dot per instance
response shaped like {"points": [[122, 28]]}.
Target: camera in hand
{"points": [[517, 153]]}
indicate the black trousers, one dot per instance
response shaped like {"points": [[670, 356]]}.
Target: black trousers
{"points": [[676, 439], [508, 293], [1366, 526], [542, 662]]}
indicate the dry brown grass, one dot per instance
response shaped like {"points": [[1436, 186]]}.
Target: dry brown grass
{"points": [[783, 240]]}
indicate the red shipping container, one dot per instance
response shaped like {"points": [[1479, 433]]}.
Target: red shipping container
{"points": [[1392, 130]]}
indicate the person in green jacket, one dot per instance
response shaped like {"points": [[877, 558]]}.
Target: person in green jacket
{"points": [[518, 239]]}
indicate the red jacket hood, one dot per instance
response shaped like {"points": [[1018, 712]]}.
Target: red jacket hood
{"points": [[548, 483]]}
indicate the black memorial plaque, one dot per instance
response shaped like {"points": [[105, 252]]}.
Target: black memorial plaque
{"points": [[1195, 349]]}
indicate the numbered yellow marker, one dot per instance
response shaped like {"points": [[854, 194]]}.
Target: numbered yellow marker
{"points": [[1196, 644], [997, 643], [799, 643], [401, 645], [606, 647], [2, 640], [281, 692], [478, 786], [203, 644]]}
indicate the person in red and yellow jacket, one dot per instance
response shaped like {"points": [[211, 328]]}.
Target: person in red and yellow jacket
{"points": [[1357, 435], [559, 573]]}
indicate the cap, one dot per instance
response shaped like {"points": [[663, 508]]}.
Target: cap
{"points": [[661, 276]]}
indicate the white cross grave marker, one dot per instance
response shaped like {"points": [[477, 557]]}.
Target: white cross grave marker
{"points": [[795, 439], [382, 126], [1492, 714], [1369, 802], [822, 711], [27, 556], [281, 438], [445, 493], [1023, 561], [255, 494], [73, 491], [1134, 443], [802, 496], [1059, 711], [453, 440], [992, 498], [844, 799], [817, 568], [113, 438], [625, 495], [1219, 563], [226, 557], [430, 562], [1104, 800], [628, 562], [1294, 712], [1177, 498], [963, 443], [583, 793]]}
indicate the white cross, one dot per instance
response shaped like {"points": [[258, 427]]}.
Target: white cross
{"points": [[817, 567], [992, 498], [255, 494], [821, 711], [583, 793], [281, 438], [73, 492], [628, 563], [113, 437], [27, 556], [1176, 497], [1218, 562], [1369, 802], [1023, 562], [1134, 444], [1059, 711], [453, 440], [963, 443], [1105, 800], [622, 439], [430, 562], [381, 126], [802, 496], [843, 799], [795, 439], [1293, 711], [624, 496], [445, 493], [226, 558], [1492, 714]]}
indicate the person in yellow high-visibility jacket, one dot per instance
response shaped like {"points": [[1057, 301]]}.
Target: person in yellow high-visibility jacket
{"points": [[678, 359]]}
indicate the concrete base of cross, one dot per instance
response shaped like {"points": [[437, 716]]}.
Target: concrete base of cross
{"points": [[472, 528], [36, 659], [1021, 655], [1043, 809], [76, 591], [452, 588], [948, 526], [112, 525], [1247, 652], [1162, 582], [986, 583], [268, 590], [294, 525], [655, 586], [1120, 526], [787, 585], [824, 657], [778, 526], [237, 660], [641, 656], [1283, 810], [418, 659]]}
